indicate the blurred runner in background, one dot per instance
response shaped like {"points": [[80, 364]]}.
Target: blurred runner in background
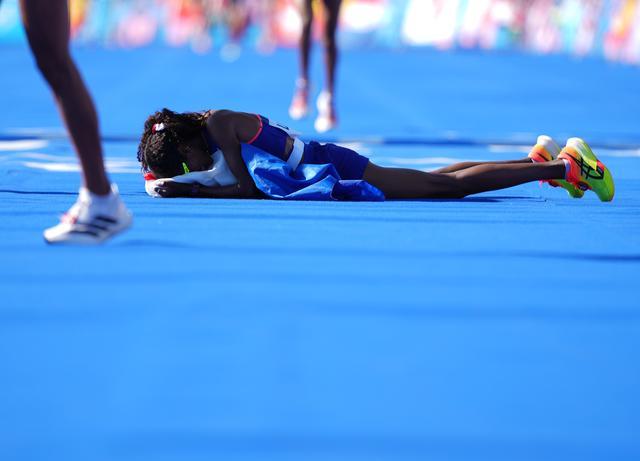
{"points": [[299, 108]]}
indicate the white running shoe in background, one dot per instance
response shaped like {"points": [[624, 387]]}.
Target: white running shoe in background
{"points": [[91, 220], [299, 107], [326, 113]]}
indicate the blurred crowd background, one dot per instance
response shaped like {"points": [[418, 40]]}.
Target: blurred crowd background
{"points": [[608, 28]]}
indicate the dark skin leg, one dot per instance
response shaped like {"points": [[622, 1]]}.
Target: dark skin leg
{"points": [[464, 165], [401, 183], [47, 26], [305, 39], [332, 8]]}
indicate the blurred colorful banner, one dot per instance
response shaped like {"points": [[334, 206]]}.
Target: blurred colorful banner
{"points": [[609, 28]]}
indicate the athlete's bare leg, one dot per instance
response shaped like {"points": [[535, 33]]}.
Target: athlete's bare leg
{"points": [[98, 213], [299, 107], [332, 8], [327, 118], [464, 165], [47, 25], [404, 183], [305, 39]]}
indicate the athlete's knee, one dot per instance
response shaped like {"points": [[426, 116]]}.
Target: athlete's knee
{"points": [[453, 186], [329, 32], [460, 183], [329, 41], [306, 28], [307, 18]]}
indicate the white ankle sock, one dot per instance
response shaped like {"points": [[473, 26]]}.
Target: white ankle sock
{"points": [[105, 203]]}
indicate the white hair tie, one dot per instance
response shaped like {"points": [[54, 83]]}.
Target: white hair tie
{"points": [[157, 127]]}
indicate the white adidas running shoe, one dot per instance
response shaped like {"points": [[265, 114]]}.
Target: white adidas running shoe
{"points": [[91, 220]]}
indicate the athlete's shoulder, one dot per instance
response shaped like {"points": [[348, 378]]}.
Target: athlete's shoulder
{"points": [[225, 123]]}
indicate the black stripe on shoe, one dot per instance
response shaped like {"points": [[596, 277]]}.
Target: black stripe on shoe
{"points": [[85, 232], [96, 226], [106, 219]]}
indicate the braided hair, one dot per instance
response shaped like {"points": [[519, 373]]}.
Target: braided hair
{"points": [[164, 131]]}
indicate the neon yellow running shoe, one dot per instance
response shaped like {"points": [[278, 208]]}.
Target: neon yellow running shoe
{"points": [[586, 171], [546, 150]]}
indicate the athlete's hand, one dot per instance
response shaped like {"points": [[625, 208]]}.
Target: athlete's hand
{"points": [[174, 189]]}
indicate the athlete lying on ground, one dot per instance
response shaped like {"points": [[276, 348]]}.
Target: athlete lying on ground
{"points": [[176, 144]]}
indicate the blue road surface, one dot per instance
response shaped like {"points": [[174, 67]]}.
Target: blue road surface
{"points": [[505, 326]]}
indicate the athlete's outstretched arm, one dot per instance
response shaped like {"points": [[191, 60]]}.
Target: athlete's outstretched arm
{"points": [[169, 188]]}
